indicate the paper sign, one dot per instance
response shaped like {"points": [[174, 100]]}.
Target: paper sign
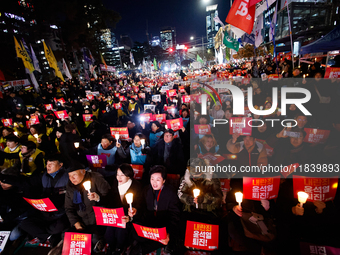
{"points": [[156, 98], [135, 97], [225, 184], [161, 118], [155, 234], [213, 158], [138, 170], [201, 236], [274, 77], [87, 117], [32, 121], [61, 114], [332, 72], [135, 89], [60, 101], [90, 97], [44, 204], [141, 95], [316, 135], [171, 93], [146, 117], [48, 107], [313, 249], [269, 149], [175, 124], [263, 77], [117, 94], [122, 98], [164, 89], [170, 109], [77, 243], [287, 170], [150, 106], [7, 122], [96, 161], [123, 132], [4, 235], [202, 129], [240, 125], [318, 189], [181, 89], [261, 188], [194, 85], [186, 99], [109, 217], [118, 106]]}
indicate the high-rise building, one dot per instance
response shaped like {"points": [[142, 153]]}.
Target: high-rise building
{"points": [[155, 41], [212, 27], [168, 37]]}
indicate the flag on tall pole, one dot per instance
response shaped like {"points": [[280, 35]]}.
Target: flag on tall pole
{"points": [[241, 16], [273, 25], [52, 61], [132, 60], [103, 61], [258, 30], [21, 53], [155, 64], [290, 33], [66, 71], [35, 60], [199, 59]]}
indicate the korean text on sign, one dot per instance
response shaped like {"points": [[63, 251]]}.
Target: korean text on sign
{"points": [[43, 204], [260, 188], [240, 126], [155, 234], [77, 244], [318, 189], [109, 217], [201, 236]]}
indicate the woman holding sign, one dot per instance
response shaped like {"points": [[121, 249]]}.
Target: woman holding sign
{"points": [[136, 152], [125, 183], [159, 208]]}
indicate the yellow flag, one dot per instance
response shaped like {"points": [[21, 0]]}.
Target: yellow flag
{"points": [[52, 61], [103, 61], [22, 53]]}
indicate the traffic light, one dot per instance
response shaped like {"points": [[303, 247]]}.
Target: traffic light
{"points": [[171, 50], [185, 48]]}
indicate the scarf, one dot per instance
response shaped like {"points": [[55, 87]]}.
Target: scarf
{"points": [[136, 149], [78, 198], [124, 188]]}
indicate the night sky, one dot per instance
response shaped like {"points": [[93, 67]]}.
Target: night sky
{"points": [[187, 16]]}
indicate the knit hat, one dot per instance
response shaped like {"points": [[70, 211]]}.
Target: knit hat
{"points": [[30, 145], [74, 166]]}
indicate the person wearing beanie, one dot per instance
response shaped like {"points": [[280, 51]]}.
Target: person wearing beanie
{"points": [[12, 146], [79, 202]]}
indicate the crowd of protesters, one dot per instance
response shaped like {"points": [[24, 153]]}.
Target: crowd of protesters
{"points": [[46, 158]]}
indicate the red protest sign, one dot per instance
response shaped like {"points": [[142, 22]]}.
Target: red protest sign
{"points": [[90, 97], [269, 149], [332, 72], [240, 125], [141, 95], [198, 98], [170, 109], [122, 98], [274, 77], [146, 117], [318, 189], [161, 118], [202, 129], [313, 249], [316, 136], [213, 158], [44, 204], [61, 114], [48, 107], [138, 170], [175, 124], [186, 99], [87, 117], [96, 161], [32, 121], [201, 236], [155, 234], [117, 94], [225, 184], [7, 122], [109, 217], [287, 170], [122, 132], [135, 89], [171, 93], [194, 85], [134, 97], [76, 243], [118, 106], [260, 188], [181, 89], [60, 101]]}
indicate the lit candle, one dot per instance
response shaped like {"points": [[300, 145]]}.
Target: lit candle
{"points": [[129, 199], [142, 142], [87, 186], [76, 145], [16, 133], [239, 198], [166, 126], [302, 197], [117, 136], [304, 77], [196, 194], [36, 136]]}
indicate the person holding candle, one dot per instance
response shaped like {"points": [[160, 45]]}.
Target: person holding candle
{"points": [[125, 183], [39, 138], [159, 208], [137, 152], [154, 131], [105, 147], [79, 202]]}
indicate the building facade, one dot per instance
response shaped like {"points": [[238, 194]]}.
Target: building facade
{"points": [[212, 27], [168, 37]]}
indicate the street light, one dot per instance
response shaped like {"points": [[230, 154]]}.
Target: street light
{"points": [[206, 1], [191, 38]]}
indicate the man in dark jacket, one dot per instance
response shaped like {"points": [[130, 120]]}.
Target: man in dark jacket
{"points": [[167, 152], [79, 202]]}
